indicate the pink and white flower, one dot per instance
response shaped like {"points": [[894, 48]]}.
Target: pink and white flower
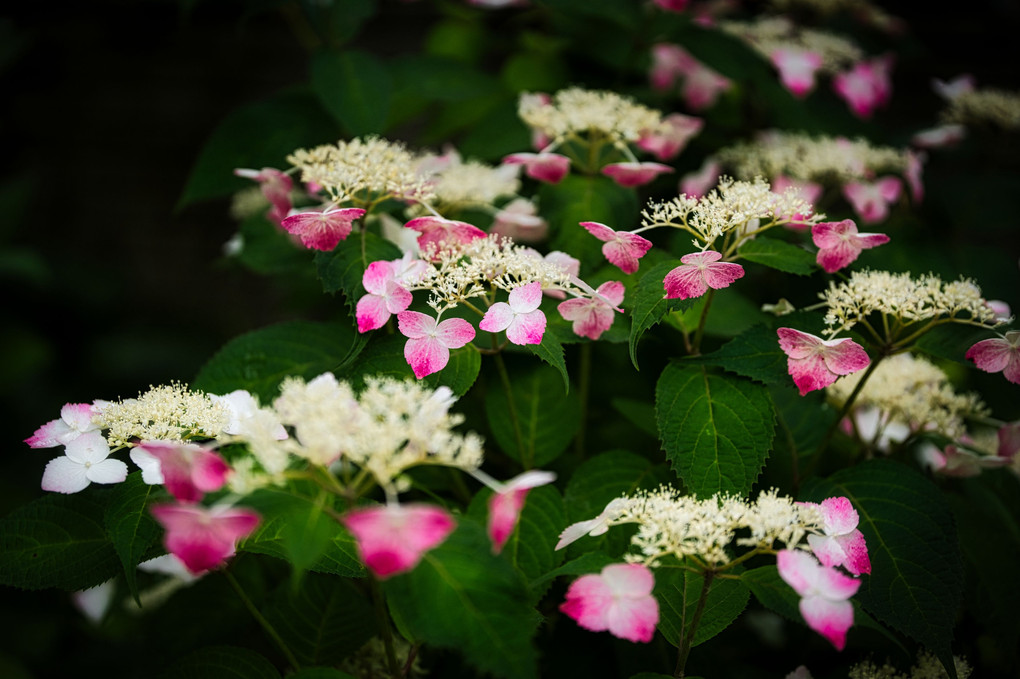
{"points": [[506, 505], [699, 272], [385, 296], [1009, 440], [841, 544], [815, 363], [189, 471], [322, 230], [571, 265], [546, 167], [275, 186], [429, 342], [702, 86], [871, 200], [840, 244], [519, 220], [392, 539], [593, 316], [619, 599], [999, 354], [807, 190], [938, 137], [865, 87], [75, 419], [85, 461], [520, 316], [797, 68], [671, 136], [634, 174], [912, 173], [669, 62], [438, 231], [697, 184], [204, 538], [958, 462], [824, 592], [621, 248]]}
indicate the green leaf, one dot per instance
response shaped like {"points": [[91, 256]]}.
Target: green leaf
{"points": [[459, 374], [259, 360], [589, 562], [916, 581], [754, 353], [323, 621], [222, 662], [319, 673], [131, 528], [801, 424], [384, 356], [605, 477], [649, 304], [546, 417], [342, 269], [778, 254], [951, 341], [550, 350], [461, 596], [355, 88], [678, 590], [57, 541], [267, 249], [773, 593], [731, 314], [638, 413], [716, 430], [440, 79]]}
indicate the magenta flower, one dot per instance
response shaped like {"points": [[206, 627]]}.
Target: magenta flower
{"points": [[839, 243], [429, 341], [392, 539], [204, 538], [815, 363], [824, 594], [385, 297], [699, 272], [322, 230], [523, 321], [865, 87], [275, 186], [75, 419], [999, 354], [634, 174], [671, 137], [85, 461], [842, 543], [621, 248], [797, 68], [871, 200], [189, 471], [550, 168], [505, 506], [618, 599], [593, 316], [439, 231]]}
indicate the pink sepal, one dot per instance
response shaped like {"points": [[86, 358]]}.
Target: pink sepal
{"points": [[619, 600], [322, 230], [437, 231], [75, 420], [593, 527], [520, 317], [275, 186], [392, 539], [797, 68], [189, 471], [697, 184], [621, 248], [505, 506], [824, 593], [671, 136], [999, 354], [699, 272], [702, 87], [385, 296], [815, 363], [204, 538], [429, 342], [912, 173], [593, 316], [842, 543], [519, 221], [634, 174], [840, 243], [866, 86], [871, 201], [550, 168]]}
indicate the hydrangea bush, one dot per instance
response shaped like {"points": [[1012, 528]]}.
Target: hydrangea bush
{"points": [[621, 371]]}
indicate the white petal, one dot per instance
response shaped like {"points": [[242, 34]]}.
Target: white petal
{"points": [[107, 471], [64, 475]]}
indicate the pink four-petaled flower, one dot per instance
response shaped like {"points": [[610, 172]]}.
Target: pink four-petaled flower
{"points": [[386, 296], [634, 174], [393, 538], [824, 594], [322, 230], [75, 419], [505, 506], [999, 354], [699, 272], [593, 316], [189, 471], [204, 538], [429, 342], [842, 543], [520, 316], [546, 167], [839, 243], [621, 248], [871, 200], [439, 231], [618, 599], [815, 363], [671, 136], [796, 68], [275, 187], [85, 461]]}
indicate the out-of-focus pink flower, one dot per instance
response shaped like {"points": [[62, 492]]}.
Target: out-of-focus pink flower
{"points": [[393, 538], [1003, 314], [385, 297], [618, 599], [621, 248], [702, 87], [958, 462], [669, 62], [697, 184], [912, 173], [815, 363], [189, 471], [429, 342], [275, 186], [999, 354], [950, 90], [939, 137], [634, 174], [670, 138], [672, 5], [842, 543], [593, 316], [85, 461], [807, 190], [505, 506], [871, 200], [571, 265], [539, 139], [322, 230], [699, 272], [550, 168], [438, 230], [1009, 440], [204, 538], [865, 87], [519, 220], [824, 594], [797, 68], [520, 317], [75, 419], [839, 243]]}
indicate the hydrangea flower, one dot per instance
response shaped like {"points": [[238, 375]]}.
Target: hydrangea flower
{"points": [[275, 186], [840, 244], [204, 538], [85, 461], [842, 543], [437, 231], [999, 354], [392, 539], [815, 363], [699, 272], [546, 167], [871, 200], [189, 471], [597, 526], [958, 462], [634, 174], [386, 296], [322, 230], [75, 419], [824, 594], [593, 316], [523, 321], [429, 342], [505, 506], [796, 68], [619, 599], [671, 136], [865, 87], [621, 248], [696, 184]]}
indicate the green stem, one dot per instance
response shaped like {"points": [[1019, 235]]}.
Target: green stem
{"points": [[269, 629], [701, 323], [687, 637], [384, 623], [504, 377], [584, 386]]}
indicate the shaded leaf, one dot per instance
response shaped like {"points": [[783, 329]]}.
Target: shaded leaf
{"points": [[604, 477], [437, 78], [550, 350], [778, 254], [342, 269], [649, 304], [589, 562], [355, 88], [677, 589], [130, 526], [638, 413], [459, 374], [222, 662], [754, 353]]}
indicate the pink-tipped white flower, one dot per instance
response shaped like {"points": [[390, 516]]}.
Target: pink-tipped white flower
{"points": [[519, 220], [958, 462], [807, 190], [634, 174], [702, 87], [593, 316], [871, 200], [999, 354], [189, 471], [865, 87], [697, 184], [85, 461], [75, 419], [671, 136], [275, 186], [619, 599], [815, 363], [669, 62], [506, 505], [797, 68], [546, 167], [322, 230], [593, 527], [520, 316], [842, 543], [385, 296], [429, 342], [699, 272], [204, 538], [621, 248], [839, 243], [393, 538], [438, 230], [938, 137], [824, 594]]}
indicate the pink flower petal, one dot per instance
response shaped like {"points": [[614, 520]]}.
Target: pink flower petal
{"points": [[498, 318], [505, 507], [841, 244], [204, 538], [815, 363], [322, 230], [999, 354], [189, 471], [699, 272], [428, 348], [591, 317], [392, 539], [634, 174], [455, 332], [824, 593], [831, 619], [550, 168], [796, 68], [697, 184], [619, 600], [426, 356], [671, 137], [371, 313], [437, 231], [621, 248], [527, 328]]}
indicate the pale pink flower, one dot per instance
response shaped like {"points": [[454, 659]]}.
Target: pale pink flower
{"points": [[807, 190], [520, 316], [322, 230], [702, 87], [569, 264], [634, 174], [152, 473], [618, 599], [824, 594], [961, 84], [842, 543], [621, 248], [438, 230], [539, 139], [75, 419], [204, 538], [797, 68], [912, 173], [696, 184], [839, 243], [865, 87], [519, 221], [815, 363], [671, 137], [392, 539], [941, 136], [669, 62], [189, 471], [506, 505], [385, 297], [85, 461], [429, 342], [699, 272], [1009, 440], [546, 167], [871, 200], [275, 186], [958, 462], [672, 5], [999, 354], [593, 316], [1003, 314]]}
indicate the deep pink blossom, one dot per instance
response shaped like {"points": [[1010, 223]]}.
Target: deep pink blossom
{"points": [[671, 137], [429, 342], [438, 231], [546, 167], [204, 538], [618, 599], [392, 539], [593, 316], [189, 471], [322, 230], [621, 248], [871, 200], [842, 543], [824, 594], [672, 5], [634, 174], [275, 186], [699, 272], [505, 506], [520, 316], [839, 243], [75, 419], [85, 461], [999, 354], [815, 363], [797, 68], [385, 297]]}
